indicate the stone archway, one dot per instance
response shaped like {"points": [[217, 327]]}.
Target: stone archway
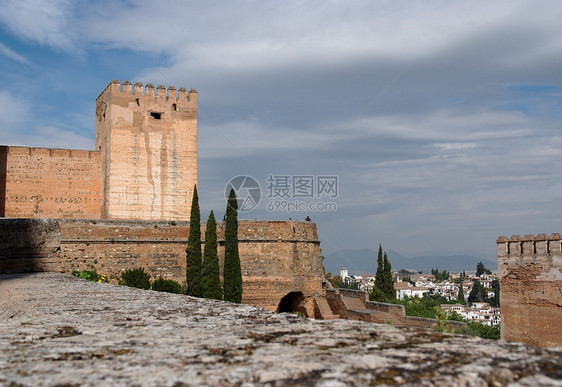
{"points": [[292, 302]]}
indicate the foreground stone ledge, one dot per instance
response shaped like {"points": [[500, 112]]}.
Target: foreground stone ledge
{"points": [[59, 330]]}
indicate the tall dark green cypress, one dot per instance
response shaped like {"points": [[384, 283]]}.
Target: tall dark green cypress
{"points": [[211, 282], [193, 251], [232, 269], [379, 276], [378, 292], [388, 285], [460, 296]]}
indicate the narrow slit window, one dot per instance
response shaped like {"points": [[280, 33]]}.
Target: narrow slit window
{"points": [[156, 116], [175, 107]]}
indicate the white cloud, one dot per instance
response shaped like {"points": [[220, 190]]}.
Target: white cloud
{"points": [[47, 137], [16, 128], [446, 125], [40, 21], [13, 110], [254, 35], [13, 55]]}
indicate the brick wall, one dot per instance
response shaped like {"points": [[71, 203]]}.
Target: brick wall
{"points": [[50, 183], [148, 143], [530, 270]]}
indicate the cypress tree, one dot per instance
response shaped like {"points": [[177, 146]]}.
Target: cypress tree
{"points": [[379, 276], [460, 296], [193, 251], [378, 293], [495, 301], [478, 293], [210, 281], [389, 291], [232, 269]]}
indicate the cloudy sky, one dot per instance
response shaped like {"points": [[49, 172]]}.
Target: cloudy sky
{"points": [[441, 120]]}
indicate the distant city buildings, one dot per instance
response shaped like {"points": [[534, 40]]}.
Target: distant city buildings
{"points": [[478, 311], [412, 285]]}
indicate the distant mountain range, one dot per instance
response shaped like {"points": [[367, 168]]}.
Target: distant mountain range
{"points": [[365, 261]]}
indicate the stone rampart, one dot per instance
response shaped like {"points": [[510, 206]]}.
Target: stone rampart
{"points": [[530, 270], [392, 312], [50, 183], [277, 257]]}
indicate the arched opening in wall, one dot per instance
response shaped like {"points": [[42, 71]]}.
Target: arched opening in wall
{"points": [[292, 302]]}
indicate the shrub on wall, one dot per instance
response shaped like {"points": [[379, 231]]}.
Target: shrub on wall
{"points": [[135, 278], [166, 285], [89, 275]]}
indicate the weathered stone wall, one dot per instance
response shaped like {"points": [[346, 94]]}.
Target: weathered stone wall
{"points": [[148, 144], [56, 330], [50, 183], [28, 245], [530, 270], [277, 257], [391, 312], [110, 247]]}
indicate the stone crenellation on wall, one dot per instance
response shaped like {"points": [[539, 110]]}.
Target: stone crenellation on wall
{"points": [[530, 270]]}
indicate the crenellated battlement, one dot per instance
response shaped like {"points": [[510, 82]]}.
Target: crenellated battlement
{"points": [[147, 136], [540, 249], [49, 152], [530, 271], [147, 91]]}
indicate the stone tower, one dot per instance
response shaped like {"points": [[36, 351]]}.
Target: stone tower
{"points": [[148, 145]]}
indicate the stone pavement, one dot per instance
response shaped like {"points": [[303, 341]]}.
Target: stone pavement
{"points": [[56, 330]]}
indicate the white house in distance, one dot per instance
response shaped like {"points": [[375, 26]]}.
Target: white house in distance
{"points": [[344, 273], [404, 289], [479, 311]]}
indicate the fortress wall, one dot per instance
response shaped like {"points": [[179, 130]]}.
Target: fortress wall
{"points": [[110, 247], [49, 183], [530, 270], [277, 257], [148, 142]]}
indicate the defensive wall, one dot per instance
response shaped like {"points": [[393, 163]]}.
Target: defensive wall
{"points": [[530, 270], [49, 183], [144, 165], [355, 305], [279, 259]]}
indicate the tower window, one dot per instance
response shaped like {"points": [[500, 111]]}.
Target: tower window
{"points": [[156, 116]]}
